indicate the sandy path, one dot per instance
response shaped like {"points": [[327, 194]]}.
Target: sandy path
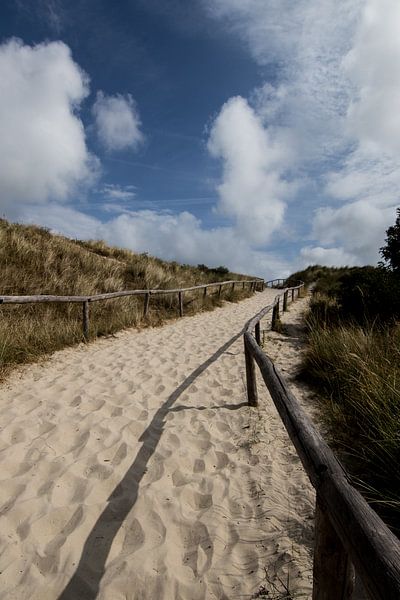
{"points": [[131, 468]]}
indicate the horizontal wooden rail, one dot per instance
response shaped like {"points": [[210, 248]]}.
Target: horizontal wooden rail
{"points": [[86, 300], [348, 531]]}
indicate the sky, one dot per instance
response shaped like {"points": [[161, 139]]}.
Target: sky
{"points": [[263, 135]]}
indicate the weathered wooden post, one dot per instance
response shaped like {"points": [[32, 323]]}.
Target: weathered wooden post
{"points": [[180, 296], [333, 571], [220, 290], [293, 295], [251, 381], [233, 287], [258, 333], [146, 304], [275, 316], [285, 297], [244, 284], [85, 320], [205, 292]]}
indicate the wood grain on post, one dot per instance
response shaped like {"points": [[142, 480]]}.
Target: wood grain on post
{"points": [[274, 319], [285, 297], [180, 296], [258, 333], [146, 304], [251, 382], [333, 570], [85, 320]]}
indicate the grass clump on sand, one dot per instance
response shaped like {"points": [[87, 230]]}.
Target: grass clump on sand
{"points": [[34, 261], [353, 358]]}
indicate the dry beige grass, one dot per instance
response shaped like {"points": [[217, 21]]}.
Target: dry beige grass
{"points": [[34, 261]]}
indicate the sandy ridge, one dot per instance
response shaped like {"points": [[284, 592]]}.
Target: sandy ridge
{"points": [[131, 468]]}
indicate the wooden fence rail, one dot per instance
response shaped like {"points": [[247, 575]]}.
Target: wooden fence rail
{"points": [[254, 284], [348, 532]]}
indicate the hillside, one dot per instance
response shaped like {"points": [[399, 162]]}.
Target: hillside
{"points": [[34, 261]]}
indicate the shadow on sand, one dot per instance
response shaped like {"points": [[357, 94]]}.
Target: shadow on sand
{"points": [[85, 582]]}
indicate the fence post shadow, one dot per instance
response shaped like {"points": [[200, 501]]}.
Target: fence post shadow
{"points": [[85, 582]]}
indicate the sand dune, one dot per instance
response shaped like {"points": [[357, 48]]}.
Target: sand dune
{"points": [[132, 468]]}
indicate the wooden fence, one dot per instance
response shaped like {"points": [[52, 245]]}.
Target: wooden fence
{"points": [[253, 284], [349, 535]]}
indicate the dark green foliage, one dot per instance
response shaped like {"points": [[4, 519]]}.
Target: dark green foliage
{"points": [[391, 251], [369, 295]]}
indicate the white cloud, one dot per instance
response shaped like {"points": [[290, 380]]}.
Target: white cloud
{"points": [[369, 178], [357, 229], [338, 93], [113, 191], [252, 191], [178, 237], [372, 65], [117, 121], [43, 152], [331, 257]]}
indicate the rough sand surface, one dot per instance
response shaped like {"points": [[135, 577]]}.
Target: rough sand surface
{"points": [[131, 468]]}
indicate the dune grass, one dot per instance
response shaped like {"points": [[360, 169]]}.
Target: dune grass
{"points": [[357, 370], [34, 261]]}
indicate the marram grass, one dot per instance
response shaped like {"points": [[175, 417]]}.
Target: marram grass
{"points": [[358, 371], [36, 262]]}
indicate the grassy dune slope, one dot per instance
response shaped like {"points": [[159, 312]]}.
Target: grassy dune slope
{"points": [[34, 261], [353, 360]]}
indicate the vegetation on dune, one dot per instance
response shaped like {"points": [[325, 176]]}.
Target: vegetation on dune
{"points": [[353, 359], [34, 261]]}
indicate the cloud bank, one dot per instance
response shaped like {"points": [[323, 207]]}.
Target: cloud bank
{"points": [[337, 96]]}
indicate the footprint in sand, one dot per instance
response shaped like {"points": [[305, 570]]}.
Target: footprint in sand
{"points": [[199, 549]]}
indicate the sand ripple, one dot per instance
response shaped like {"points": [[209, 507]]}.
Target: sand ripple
{"points": [[131, 468]]}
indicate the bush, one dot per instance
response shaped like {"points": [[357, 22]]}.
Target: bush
{"points": [[369, 294]]}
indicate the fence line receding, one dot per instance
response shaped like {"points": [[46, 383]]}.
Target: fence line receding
{"points": [[254, 284], [349, 534]]}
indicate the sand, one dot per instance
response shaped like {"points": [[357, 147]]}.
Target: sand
{"points": [[131, 468]]}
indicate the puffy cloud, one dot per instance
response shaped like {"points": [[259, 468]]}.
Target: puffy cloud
{"points": [[117, 121], [252, 191], [338, 93], [43, 152]]}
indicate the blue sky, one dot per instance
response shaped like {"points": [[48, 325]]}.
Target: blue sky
{"points": [[259, 134]]}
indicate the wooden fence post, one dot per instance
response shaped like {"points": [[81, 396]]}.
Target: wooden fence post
{"points": [[233, 287], [180, 296], [258, 333], [220, 290], [244, 284], [275, 316], [85, 320], [205, 292], [146, 304], [285, 297], [293, 295], [251, 381], [333, 571]]}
